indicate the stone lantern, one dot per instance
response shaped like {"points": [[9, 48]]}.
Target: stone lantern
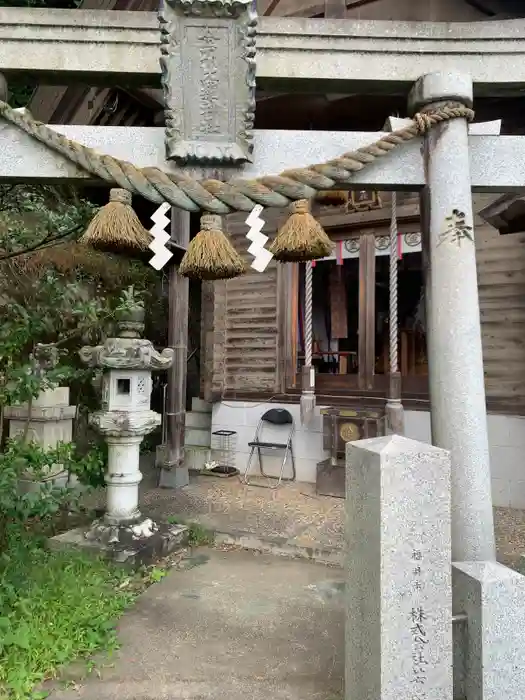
{"points": [[125, 417]]}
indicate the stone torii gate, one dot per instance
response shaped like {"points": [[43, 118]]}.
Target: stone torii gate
{"points": [[208, 73], [208, 68]]}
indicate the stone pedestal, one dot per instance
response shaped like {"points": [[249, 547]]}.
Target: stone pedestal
{"points": [[50, 422], [124, 431], [490, 652], [398, 583], [123, 478]]}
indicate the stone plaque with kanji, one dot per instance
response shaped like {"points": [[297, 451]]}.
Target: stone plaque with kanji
{"points": [[208, 76]]}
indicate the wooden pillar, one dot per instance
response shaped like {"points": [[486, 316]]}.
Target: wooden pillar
{"points": [[174, 473], [367, 303]]}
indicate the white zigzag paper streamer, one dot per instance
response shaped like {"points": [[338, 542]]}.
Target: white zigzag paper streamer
{"points": [[261, 256], [160, 238]]}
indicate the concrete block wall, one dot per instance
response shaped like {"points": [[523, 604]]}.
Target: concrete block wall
{"points": [[506, 436]]}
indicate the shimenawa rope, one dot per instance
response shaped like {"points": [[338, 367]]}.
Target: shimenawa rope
{"points": [[217, 197]]}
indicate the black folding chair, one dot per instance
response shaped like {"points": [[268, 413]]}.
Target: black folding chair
{"points": [[274, 417]]}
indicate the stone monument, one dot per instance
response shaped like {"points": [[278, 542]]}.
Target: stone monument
{"points": [[398, 584], [125, 417]]}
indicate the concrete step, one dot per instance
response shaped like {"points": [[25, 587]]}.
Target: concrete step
{"points": [[196, 419], [200, 406], [196, 457], [197, 436]]}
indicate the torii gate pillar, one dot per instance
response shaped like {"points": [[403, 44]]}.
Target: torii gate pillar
{"points": [[457, 387]]}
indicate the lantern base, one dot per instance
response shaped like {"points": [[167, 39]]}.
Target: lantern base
{"points": [[134, 544]]}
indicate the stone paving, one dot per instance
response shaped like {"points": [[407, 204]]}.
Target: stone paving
{"points": [[235, 625]]}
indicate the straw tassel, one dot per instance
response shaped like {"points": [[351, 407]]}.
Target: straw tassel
{"points": [[301, 237], [210, 255], [116, 228]]}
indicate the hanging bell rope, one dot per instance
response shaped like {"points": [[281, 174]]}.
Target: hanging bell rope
{"points": [[394, 407], [307, 401], [210, 255], [301, 237], [116, 228]]}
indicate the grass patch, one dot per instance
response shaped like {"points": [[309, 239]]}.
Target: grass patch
{"points": [[198, 536], [54, 608]]}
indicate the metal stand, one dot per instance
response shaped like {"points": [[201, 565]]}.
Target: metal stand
{"points": [[223, 444]]}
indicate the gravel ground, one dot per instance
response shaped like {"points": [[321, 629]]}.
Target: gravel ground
{"points": [[293, 513], [510, 536]]}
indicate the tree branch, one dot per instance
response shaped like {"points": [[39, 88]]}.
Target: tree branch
{"points": [[45, 242]]}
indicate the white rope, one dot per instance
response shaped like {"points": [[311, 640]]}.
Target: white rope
{"points": [[307, 402], [308, 333], [393, 320]]}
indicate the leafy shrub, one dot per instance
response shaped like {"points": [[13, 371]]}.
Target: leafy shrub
{"points": [[21, 458], [55, 606]]}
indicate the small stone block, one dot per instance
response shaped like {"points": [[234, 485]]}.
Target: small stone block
{"points": [[493, 598], [440, 87], [175, 478], [398, 584], [134, 553]]}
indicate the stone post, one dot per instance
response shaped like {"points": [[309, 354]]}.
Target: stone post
{"points": [[457, 390], [398, 581], [493, 654]]}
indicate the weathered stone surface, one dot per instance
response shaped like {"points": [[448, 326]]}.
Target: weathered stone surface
{"points": [[125, 423], [50, 423], [112, 45], [494, 637], [398, 583], [208, 76], [457, 388], [496, 162], [126, 353], [122, 544]]}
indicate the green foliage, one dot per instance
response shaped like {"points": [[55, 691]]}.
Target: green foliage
{"points": [[198, 536], [90, 468], [33, 216], [56, 294], [155, 574], [19, 509], [38, 304], [54, 608], [129, 300]]}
